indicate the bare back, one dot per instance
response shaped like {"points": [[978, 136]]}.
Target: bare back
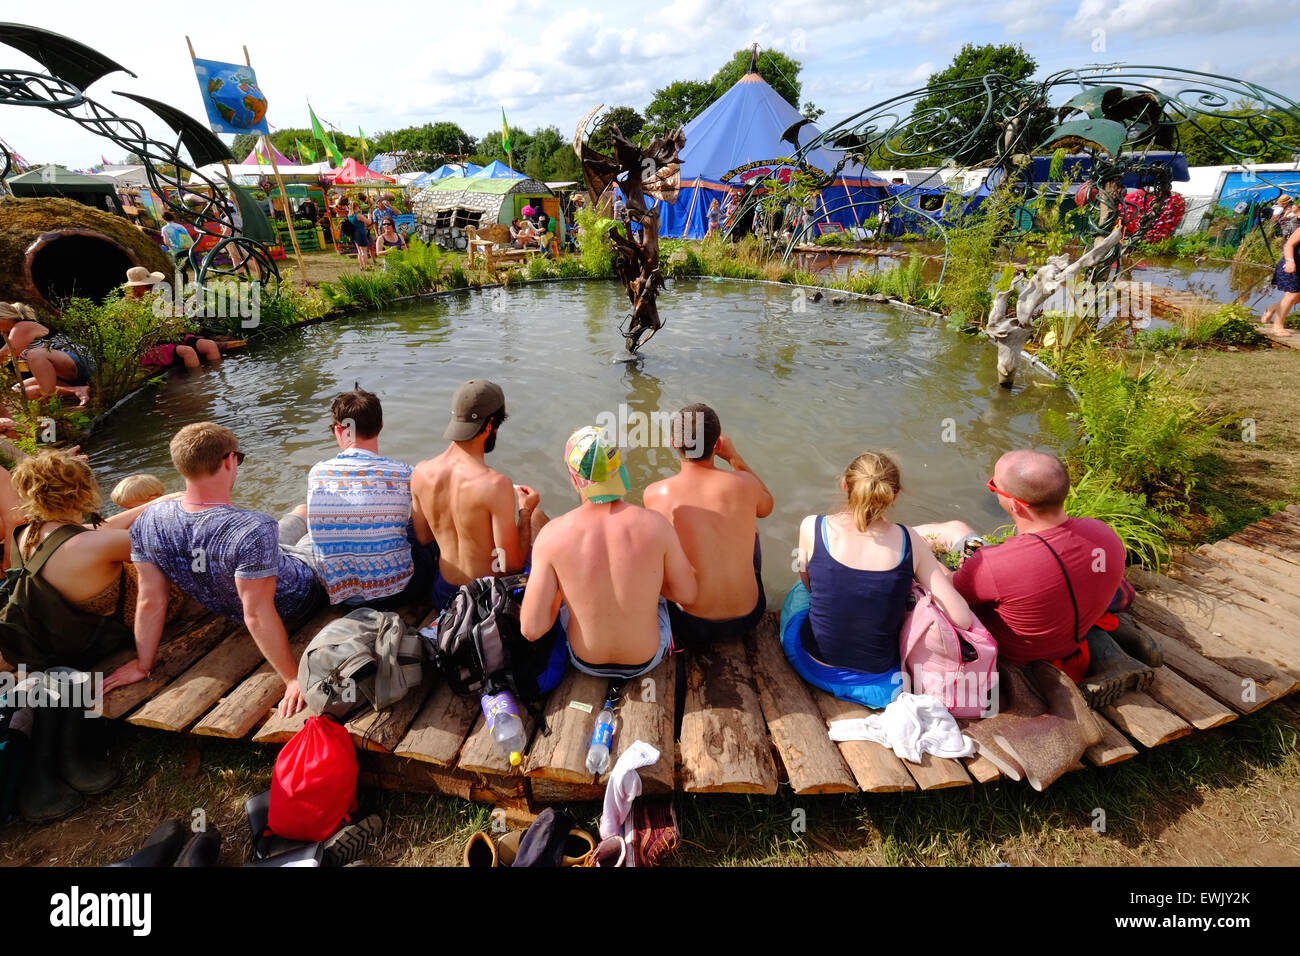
{"points": [[609, 563], [84, 565], [714, 513], [466, 504]]}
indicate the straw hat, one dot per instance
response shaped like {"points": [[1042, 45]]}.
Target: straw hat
{"points": [[139, 275]]}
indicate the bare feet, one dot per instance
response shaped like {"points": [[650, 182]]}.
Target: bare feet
{"points": [[83, 395], [1112, 672], [1281, 333]]}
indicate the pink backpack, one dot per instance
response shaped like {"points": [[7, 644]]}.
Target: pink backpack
{"points": [[957, 666]]}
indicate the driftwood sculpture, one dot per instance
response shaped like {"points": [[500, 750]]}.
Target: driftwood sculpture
{"points": [[1010, 332], [654, 171]]}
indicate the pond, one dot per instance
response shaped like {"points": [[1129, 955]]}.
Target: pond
{"points": [[801, 387]]}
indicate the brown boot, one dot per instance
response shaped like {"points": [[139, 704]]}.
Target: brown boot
{"points": [[1017, 703]]}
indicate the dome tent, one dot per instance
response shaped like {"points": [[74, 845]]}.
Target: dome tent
{"points": [[738, 138]]}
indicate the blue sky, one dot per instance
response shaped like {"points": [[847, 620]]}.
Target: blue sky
{"points": [[548, 62]]}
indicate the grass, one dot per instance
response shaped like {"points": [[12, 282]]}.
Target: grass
{"points": [[1214, 798]]}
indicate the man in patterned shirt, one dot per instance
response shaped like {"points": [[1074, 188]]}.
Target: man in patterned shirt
{"points": [[354, 528]]}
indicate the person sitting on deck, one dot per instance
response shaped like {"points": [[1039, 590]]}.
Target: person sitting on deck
{"points": [[714, 512], [841, 624], [356, 529], [1044, 592], [465, 506], [230, 560], [607, 569], [54, 371]]}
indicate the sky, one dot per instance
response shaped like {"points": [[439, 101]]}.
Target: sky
{"points": [[546, 62]]}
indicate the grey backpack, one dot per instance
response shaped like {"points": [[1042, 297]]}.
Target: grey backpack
{"points": [[367, 655]]}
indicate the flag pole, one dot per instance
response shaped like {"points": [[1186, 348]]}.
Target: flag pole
{"points": [[284, 193]]}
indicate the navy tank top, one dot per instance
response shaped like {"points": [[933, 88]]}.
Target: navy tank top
{"points": [[856, 616]]}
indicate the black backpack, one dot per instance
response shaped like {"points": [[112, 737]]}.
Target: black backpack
{"points": [[38, 627], [480, 649]]}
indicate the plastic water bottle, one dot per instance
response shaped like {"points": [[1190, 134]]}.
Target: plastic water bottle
{"points": [[602, 735], [502, 716]]}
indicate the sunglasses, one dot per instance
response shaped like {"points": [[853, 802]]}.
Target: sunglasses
{"points": [[240, 457], [998, 491]]}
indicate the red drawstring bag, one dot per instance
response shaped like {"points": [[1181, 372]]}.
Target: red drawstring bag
{"points": [[314, 784]]}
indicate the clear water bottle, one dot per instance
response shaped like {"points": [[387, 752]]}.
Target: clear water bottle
{"points": [[603, 734], [502, 716]]}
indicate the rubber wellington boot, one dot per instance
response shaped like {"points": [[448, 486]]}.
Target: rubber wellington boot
{"points": [[83, 769], [1112, 673], [45, 797], [480, 851], [160, 847], [202, 849], [1137, 642], [15, 755], [1017, 703]]}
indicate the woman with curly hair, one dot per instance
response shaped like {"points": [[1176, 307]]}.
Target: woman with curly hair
{"points": [[90, 566]]}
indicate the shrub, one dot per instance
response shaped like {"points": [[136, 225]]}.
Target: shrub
{"points": [[595, 249], [1159, 340], [1227, 325], [1143, 531]]}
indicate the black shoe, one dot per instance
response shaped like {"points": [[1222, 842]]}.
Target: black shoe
{"points": [[45, 797], [257, 809], [202, 850], [81, 768], [308, 854], [350, 843], [160, 847]]}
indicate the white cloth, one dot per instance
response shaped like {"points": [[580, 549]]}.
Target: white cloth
{"points": [[911, 725], [624, 786]]}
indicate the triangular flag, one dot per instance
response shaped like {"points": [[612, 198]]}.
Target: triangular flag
{"points": [[336, 158], [505, 132], [304, 151], [361, 133]]}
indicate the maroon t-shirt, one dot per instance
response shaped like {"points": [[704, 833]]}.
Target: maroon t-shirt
{"points": [[1018, 591]]}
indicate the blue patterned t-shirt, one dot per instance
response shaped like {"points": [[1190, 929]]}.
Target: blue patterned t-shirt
{"points": [[203, 552]]}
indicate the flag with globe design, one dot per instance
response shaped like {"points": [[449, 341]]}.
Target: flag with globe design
{"points": [[231, 97]]}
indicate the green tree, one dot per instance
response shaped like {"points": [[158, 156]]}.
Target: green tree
{"points": [[564, 165], [541, 146], [966, 105], [441, 139], [490, 148], [629, 122], [810, 111], [676, 104], [1204, 143], [780, 72], [243, 145]]}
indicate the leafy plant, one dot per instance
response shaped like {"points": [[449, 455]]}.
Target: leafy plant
{"points": [[595, 248], [1144, 531]]}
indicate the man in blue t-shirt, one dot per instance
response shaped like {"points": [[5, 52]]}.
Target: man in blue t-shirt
{"points": [[226, 558]]}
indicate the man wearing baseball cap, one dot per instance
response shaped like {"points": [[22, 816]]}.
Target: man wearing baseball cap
{"points": [[612, 565], [468, 507]]}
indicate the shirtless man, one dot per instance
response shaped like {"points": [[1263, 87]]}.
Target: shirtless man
{"points": [[612, 565], [465, 506], [714, 512]]}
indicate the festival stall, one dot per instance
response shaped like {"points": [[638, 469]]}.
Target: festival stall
{"points": [[447, 207]]}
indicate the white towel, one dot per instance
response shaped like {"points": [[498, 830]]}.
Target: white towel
{"points": [[911, 725], [624, 786]]}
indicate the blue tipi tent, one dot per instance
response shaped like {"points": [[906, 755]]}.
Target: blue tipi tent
{"points": [[738, 138], [447, 169], [498, 170]]}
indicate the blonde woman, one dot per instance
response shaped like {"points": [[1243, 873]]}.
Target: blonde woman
{"points": [[841, 623], [53, 371], [89, 567]]}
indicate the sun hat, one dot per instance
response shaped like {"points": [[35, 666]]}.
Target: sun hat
{"points": [[139, 275], [596, 466], [473, 402]]}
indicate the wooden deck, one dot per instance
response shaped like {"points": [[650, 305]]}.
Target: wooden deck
{"points": [[1225, 617]]}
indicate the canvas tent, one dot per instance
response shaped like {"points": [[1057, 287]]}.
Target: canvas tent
{"points": [[259, 150], [737, 139], [448, 169], [98, 192], [352, 173], [498, 170]]}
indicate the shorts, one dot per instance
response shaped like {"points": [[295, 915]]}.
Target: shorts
{"points": [[689, 630], [295, 541], [623, 671], [1286, 281], [442, 591], [860, 687]]}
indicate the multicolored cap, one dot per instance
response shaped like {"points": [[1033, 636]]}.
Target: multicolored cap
{"points": [[596, 466]]}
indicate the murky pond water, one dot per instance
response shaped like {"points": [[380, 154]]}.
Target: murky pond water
{"points": [[800, 393]]}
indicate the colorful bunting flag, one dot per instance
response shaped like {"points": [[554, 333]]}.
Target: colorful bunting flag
{"points": [[505, 132]]}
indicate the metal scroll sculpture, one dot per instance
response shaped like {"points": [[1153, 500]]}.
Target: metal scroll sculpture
{"points": [[71, 67], [653, 171], [1116, 113]]}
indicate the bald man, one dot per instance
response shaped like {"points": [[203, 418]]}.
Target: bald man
{"points": [[1042, 592]]}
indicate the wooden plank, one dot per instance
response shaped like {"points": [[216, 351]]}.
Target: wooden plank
{"points": [[1275, 599], [646, 713], [1182, 698], [188, 697], [1146, 721], [382, 730], [1268, 570], [254, 700], [811, 759], [1267, 540], [938, 773], [278, 730], [1257, 634], [440, 728], [391, 772], [876, 769], [174, 658], [1213, 678], [562, 755], [1114, 746], [982, 769], [1243, 594], [725, 747], [1265, 677], [481, 755], [553, 791]]}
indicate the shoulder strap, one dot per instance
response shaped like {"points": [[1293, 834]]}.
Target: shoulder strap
{"points": [[1068, 586], [46, 548], [907, 543]]}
